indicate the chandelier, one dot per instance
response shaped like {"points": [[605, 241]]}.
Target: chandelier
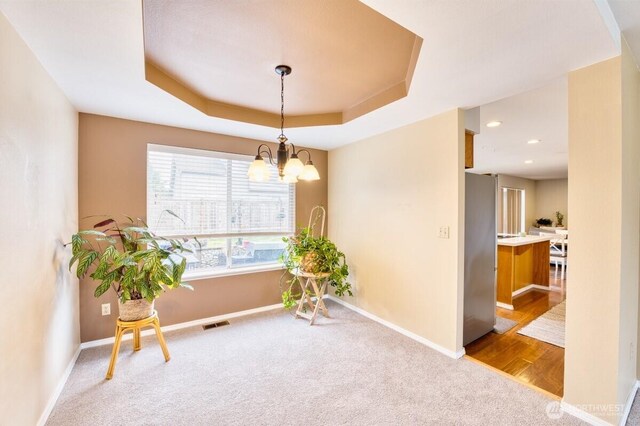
{"points": [[290, 168]]}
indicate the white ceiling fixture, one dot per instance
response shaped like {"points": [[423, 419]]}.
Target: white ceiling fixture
{"points": [[528, 161], [477, 52], [494, 124], [533, 141]]}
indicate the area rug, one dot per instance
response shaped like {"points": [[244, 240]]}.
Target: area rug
{"points": [[549, 327], [503, 325]]}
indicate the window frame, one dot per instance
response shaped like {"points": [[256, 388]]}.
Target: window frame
{"points": [[229, 269], [505, 213]]}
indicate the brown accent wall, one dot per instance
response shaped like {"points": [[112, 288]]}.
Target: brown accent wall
{"points": [[112, 180]]}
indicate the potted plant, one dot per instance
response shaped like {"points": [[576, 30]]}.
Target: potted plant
{"points": [[314, 255], [559, 219], [544, 222], [130, 259]]}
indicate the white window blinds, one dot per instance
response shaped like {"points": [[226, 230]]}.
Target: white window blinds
{"points": [[212, 195]]}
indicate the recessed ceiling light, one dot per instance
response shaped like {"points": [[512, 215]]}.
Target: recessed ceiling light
{"points": [[533, 141], [494, 123], [528, 161]]}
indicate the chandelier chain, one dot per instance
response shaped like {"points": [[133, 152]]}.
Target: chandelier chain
{"points": [[282, 104]]}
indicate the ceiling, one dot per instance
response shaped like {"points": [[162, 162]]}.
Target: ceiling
{"points": [[627, 16], [540, 114], [474, 52], [220, 57]]}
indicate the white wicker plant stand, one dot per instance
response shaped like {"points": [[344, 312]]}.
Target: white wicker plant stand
{"points": [[315, 285]]}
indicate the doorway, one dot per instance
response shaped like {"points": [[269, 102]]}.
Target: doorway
{"points": [[528, 152]]}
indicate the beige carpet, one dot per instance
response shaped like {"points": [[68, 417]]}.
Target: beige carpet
{"points": [[269, 369], [634, 414], [548, 327]]}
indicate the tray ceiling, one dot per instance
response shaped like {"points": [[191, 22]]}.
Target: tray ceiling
{"points": [[219, 57]]}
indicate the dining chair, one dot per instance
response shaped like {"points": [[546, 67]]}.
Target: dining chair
{"points": [[558, 250]]}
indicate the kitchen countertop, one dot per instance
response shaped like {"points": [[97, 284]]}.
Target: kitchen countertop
{"points": [[521, 241]]}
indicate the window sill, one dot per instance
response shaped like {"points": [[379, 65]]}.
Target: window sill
{"points": [[196, 276]]}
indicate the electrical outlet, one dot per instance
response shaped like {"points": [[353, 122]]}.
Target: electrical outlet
{"points": [[443, 232], [632, 352], [106, 309]]}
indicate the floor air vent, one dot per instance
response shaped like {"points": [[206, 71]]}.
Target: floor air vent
{"points": [[215, 325]]}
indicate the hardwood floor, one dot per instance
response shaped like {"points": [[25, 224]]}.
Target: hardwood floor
{"points": [[528, 360]]}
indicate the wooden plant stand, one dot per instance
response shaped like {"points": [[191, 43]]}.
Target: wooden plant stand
{"points": [[315, 285], [309, 290], [135, 326]]}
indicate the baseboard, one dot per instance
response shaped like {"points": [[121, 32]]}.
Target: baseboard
{"points": [[597, 421], [58, 390], [409, 334], [533, 286], [629, 403], [547, 288], [583, 415], [504, 306], [172, 327]]}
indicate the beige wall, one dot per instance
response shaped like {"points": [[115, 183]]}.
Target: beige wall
{"points": [[600, 357], [630, 277], [552, 196], [38, 170], [112, 180], [529, 186], [389, 195]]}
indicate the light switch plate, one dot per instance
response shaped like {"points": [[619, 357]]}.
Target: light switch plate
{"points": [[106, 309], [443, 232]]}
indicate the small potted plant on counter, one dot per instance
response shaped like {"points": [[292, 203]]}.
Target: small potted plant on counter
{"points": [[130, 259], [559, 219]]}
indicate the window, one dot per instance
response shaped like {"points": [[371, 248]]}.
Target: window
{"points": [[512, 211], [228, 221]]}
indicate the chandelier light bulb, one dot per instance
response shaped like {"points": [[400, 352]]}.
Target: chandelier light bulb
{"points": [[288, 179], [309, 172], [293, 167], [259, 171]]}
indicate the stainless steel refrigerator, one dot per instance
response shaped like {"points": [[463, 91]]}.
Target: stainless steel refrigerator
{"points": [[480, 242]]}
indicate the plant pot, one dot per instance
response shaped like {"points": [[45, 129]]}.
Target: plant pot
{"points": [[308, 263], [134, 310]]}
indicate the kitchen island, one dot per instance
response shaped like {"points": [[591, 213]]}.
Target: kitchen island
{"points": [[523, 263]]}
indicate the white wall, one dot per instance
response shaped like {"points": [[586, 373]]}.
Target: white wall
{"points": [[551, 196], [388, 195], [39, 198]]}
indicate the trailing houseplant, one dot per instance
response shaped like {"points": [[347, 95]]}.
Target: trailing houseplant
{"points": [[314, 255], [130, 259]]}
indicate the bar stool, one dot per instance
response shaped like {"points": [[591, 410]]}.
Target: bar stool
{"points": [[135, 326]]}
